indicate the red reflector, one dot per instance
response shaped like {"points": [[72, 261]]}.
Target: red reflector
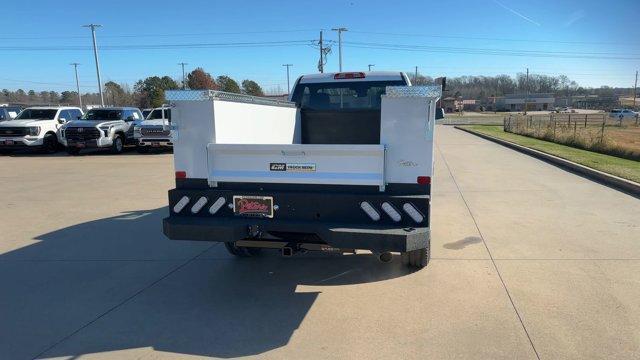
{"points": [[424, 180], [349, 75], [181, 174]]}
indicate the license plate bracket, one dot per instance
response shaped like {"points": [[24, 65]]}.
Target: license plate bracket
{"points": [[253, 206]]}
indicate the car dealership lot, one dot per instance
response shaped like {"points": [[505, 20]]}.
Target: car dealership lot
{"points": [[528, 261]]}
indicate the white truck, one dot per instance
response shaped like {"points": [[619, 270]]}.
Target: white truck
{"points": [[346, 164], [36, 128], [153, 131], [107, 128]]}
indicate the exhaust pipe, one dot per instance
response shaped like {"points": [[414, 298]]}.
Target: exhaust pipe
{"points": [[287, 251], [385, 257]]}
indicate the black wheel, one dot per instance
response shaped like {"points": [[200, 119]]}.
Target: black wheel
{"points": [[416, 258], [118, 145], [49, 144], [73, 151], [240, 251], [142, 149]]}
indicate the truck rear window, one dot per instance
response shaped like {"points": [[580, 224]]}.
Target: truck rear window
{"points": [[356, 95]]}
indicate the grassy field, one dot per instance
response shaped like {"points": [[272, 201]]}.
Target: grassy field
{"points": [[628, 169]]}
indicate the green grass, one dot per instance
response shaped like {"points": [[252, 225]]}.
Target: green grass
{"points": [[627, 169]]}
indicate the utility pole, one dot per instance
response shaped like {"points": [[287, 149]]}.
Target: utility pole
{"points": [[340, 30], [287, 65], [635, 91], [415, 77], [321, 63], [370, 65], [183, 78], [526, 100], [95, 54], [75, 67]]}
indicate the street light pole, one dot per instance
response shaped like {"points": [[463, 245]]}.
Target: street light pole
{"points": [[415, 77], [288, 66], [635, 91], [95, 54], [340, 30], [75, 67], [370, 65], [526, 100], [183, 78]]}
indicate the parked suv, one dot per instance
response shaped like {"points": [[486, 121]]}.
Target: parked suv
{"points": [[101, 128], [9, 112], [622, 113], [36, 127], [154, 131]]}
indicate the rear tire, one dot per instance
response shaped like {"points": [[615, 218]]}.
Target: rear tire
{"points": [[118, 145], [416, 258], [240, 251]]}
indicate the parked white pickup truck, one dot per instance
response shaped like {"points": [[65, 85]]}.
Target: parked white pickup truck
{"points": [[345, 165], [36, 128], [108, 128], [153, 132]]}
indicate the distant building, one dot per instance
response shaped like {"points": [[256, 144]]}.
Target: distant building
{"points": [[516, 102], [449, 104], [599, 102]]}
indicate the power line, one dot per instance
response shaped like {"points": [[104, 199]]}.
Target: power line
{"points": [[487, 51], [37, 37], [161, 46], [491, 38]]}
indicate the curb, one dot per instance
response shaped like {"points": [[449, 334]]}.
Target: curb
{"points": [[618, 183]]}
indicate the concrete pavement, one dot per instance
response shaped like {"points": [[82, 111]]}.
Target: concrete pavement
{"points": [[528, 262]]}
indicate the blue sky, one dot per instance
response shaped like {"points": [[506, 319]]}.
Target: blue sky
{"points": [[593, 42]]}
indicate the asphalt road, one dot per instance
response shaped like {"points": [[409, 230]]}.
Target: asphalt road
{"points": [[529, 261]]}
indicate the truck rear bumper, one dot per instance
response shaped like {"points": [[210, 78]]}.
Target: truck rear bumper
{"points": [[338, 235]]}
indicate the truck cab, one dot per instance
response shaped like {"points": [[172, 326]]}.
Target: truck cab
{"points": [[36, 128], [345, 165], [153, 131], [110, 128]]}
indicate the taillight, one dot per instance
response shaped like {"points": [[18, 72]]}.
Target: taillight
{"points": [[348, 75], [181, 174], [424, 180]]}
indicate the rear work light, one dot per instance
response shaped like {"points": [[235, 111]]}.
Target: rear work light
{"points": [[180, 204], [348, 75], [370, 211], [424, 180], [199, 204], [181, 174]]}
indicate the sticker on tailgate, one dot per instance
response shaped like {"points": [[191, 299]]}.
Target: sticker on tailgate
{"points": [[292, 167]]}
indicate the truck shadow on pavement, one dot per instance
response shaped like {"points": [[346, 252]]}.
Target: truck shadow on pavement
{"points": [[117, 283]]}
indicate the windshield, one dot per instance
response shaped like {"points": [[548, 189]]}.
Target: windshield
{"points": [[356, 95], [155, 114], [102, 114], [37, 114]]}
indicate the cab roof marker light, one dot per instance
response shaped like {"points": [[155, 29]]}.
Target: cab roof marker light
{"points": [[412, 212], [217, 205], [391, 211], [349, 75], [199, 204], [369, 210], [180, 204]]}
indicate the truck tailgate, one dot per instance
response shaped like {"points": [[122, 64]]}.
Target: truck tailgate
{"points": [[296, 164]]}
